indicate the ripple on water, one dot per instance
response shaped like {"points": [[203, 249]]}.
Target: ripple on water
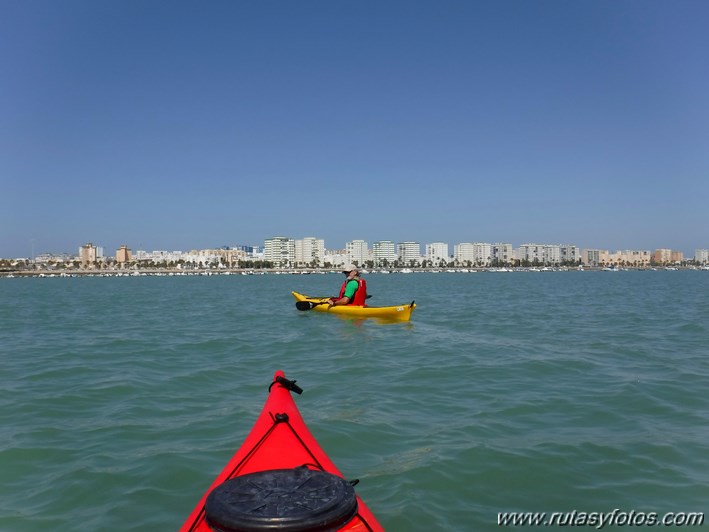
{"points": [[123, 398]]}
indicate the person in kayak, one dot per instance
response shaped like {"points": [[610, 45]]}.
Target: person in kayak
{"points": [[353, 290]]}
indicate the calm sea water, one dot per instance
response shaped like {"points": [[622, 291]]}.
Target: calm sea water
{"points": [[122, 398]]}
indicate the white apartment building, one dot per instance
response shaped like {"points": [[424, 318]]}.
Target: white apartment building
{"points": [[336, 257], [701, 256], [46, 258], [409, 253], [502, 253], [383, 253], [206, 258], [310, 251], [463, 254], [483, 253], [569, 253], [437, 253], [158, 256], [357, 252], [280, 251], [543, 253], [531, 253], [550, 254], [473, 254], [196, 258]]}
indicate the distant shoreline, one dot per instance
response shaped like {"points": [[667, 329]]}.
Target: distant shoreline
{"points": [[175, 272]]}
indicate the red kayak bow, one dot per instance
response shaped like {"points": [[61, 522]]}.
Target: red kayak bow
{"points": [[280, 480]]}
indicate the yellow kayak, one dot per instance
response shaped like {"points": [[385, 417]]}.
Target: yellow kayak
{"points": [[318, 304]]}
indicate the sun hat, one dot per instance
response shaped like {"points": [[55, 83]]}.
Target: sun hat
{"points": [[349, 267]]}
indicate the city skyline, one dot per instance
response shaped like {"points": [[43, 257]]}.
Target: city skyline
{"points": [[358, 246], [179, 126], [261, 245]]}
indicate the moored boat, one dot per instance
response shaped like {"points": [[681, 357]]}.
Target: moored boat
{"points": [[392, 313], [280, 479]]}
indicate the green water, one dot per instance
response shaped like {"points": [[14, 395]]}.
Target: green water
{"points": [[122, 398]]}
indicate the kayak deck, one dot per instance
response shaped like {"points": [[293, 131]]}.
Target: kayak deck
{"points": [[279, 451], [394, 313]]}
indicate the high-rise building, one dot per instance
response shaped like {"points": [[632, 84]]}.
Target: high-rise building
{"points": [[123, 254], [88, 254], [548, 254], [483, 253], [357, 252], [409, 253], [437, 253], [667, 256], [473, 254], [384, 253], [463, 254], [569, 254], [280, 251], [310, 251], [502, 253]]}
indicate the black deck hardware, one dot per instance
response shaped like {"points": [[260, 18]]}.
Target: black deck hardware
{"points": [[288, 384], [297, 499]]}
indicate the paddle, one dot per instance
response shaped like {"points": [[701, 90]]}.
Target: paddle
{"points": [[309, 305]]}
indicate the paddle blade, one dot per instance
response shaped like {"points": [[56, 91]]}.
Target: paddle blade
{"points": [[304, 305]]}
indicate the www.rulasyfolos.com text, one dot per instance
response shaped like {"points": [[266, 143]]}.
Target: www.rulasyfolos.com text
{"points": [[599, 520]]}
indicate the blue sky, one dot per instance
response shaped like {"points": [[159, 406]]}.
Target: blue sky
{"points": [[186, 125]]}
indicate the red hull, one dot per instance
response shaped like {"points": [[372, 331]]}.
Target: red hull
{"points": [[272, 445]]}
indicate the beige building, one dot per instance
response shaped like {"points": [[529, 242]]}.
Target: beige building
{"points": [[628, 257], [667, 256], [88, 254], [123, 255], [591, 257]]}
